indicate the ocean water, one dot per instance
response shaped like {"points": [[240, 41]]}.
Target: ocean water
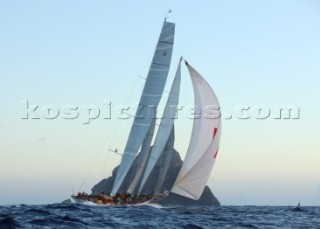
{"points": [[154, 216]]}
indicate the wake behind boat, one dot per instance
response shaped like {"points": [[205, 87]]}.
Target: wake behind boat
{"points": [[203, 145]]}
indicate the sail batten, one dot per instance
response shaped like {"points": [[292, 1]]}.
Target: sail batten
{"points": [[154, 85]]}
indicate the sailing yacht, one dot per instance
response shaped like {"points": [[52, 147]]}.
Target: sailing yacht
{"points": [[203, 146]]}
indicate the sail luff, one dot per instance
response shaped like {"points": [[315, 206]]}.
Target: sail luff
{"points": [[149, 101], [204, 142], [167, 155], [165, 127]]}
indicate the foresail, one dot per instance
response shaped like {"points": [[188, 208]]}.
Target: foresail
{"points": [[165, 127], [143, 158], [204, 143], [149, 101], [194, 182], [166, 155]]}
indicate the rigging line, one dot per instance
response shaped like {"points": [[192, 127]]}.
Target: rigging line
{"points": [[112, 133], [116, 138], [104, 165], [93, 163], [118, 121], [122, 134], [112, 163], [107, 140], [131, 91], [130, 94], [81, 187], [117, 124], [140, 71], [107, 155], [105, 161]]}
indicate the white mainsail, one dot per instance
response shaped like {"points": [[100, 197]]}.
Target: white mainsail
{"points": [[149, 100], [165, 127], [204, 142]]}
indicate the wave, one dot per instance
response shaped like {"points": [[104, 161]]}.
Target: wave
{"points": [[153, 215]]}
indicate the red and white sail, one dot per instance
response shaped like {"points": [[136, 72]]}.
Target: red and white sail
{"points": [[204, 142]]}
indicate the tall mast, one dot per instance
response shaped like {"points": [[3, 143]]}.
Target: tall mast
{"points": [[150, 98]]}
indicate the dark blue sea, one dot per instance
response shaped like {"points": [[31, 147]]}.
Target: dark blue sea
{"points": [[83, 216]]}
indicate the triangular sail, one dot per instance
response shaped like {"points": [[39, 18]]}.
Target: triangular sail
{"points": [[204, 143], [167, 155], [143, 158], [165, 127], [149, 101]]}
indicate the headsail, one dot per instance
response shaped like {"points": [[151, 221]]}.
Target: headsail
{"points": [[149, 100], [167, 155], [165, 127], [204, 143], [143, 158]]}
